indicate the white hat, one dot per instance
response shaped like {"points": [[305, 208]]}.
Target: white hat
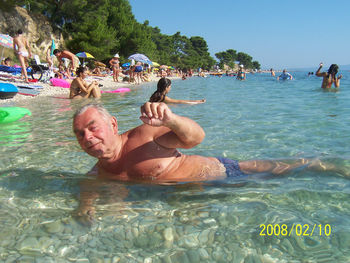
{"points": [[241, 65], [116, 55]]}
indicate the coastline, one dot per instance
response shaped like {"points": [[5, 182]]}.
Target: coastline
{"points": [[51, 91]]}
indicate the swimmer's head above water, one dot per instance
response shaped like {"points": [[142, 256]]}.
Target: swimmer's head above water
{"points": [[333, 69]]}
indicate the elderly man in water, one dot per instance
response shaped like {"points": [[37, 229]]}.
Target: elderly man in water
{"points": [[148, 153]]}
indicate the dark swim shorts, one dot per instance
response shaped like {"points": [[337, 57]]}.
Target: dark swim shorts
{"points": [[232, 167]]}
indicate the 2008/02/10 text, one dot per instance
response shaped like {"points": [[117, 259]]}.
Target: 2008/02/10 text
{"points": [[299, 229]]}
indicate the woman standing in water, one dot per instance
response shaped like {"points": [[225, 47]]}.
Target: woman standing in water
{"points": [[163, 88], [80, 89], [329, 77]]}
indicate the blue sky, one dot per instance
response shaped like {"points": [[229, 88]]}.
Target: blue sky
{"points": [[278, 34]]}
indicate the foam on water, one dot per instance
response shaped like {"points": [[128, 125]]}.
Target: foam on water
{"points": [[42, 166]]}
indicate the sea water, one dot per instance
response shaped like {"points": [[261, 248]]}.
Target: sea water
{"points": [[301, 216]]}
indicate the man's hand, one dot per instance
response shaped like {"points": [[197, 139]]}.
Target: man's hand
{"points": [[156, 114], [85, 215]]}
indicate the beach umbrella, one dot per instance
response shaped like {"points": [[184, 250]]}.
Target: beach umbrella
{"points": [[155, 64], [5, 41], [140, 57], [84, 55]]}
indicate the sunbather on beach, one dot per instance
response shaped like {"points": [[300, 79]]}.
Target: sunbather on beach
{"points": [[74, 60], [6, 62], [329, 77], [22, 50], [163, 88], [80, 89]]}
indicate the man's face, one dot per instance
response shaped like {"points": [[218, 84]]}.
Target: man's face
{"points": [[96, 135]]}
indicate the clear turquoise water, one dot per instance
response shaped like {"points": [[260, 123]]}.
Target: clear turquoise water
{"points": [[41, 166]]}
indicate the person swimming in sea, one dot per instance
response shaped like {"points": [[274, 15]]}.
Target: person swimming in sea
{"points": [[329, 77], [285, 76], [163, 88], [149, 153]]}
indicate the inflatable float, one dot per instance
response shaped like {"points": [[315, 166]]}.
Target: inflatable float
{"points": [[60, 83], [11, 114], [64, 84], [7, 90], [120, 90]]}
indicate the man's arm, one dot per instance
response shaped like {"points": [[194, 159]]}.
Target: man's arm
{"points": [[184, 132], [175, 101]]}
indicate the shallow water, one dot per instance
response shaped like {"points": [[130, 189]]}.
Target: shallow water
{"points": [[41, 167]]}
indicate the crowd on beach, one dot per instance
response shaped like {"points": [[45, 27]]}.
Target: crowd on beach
{"points": [[78, 73], [75, 72]]}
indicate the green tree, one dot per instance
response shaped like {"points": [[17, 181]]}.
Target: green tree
{"points": [[256, 65], [227, 57], [90, 31], [244, 59]]}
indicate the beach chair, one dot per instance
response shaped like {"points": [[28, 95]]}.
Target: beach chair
{"points": [[37, 70]]}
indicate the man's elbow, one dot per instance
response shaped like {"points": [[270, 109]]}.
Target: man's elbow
{"points": [[194, 140]]}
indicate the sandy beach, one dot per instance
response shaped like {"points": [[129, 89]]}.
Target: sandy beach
{"points": [[48, 90]]}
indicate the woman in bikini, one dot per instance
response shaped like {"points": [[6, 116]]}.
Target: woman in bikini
{"points": [[114, 63], [329, 77], [163, 88], [22, 49], [80, 89]]}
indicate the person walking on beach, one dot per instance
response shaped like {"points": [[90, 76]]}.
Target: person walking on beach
{"points": [[163, 88], [80, 89], [114, 63], [74, 60], [329, 77], [285, 76], [22, 50]]}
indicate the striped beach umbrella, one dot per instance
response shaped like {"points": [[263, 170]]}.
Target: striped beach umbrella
{"points": [[6, 41], [84, 55]]}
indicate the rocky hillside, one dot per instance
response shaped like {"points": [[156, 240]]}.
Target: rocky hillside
{"points": [[35, 27]]}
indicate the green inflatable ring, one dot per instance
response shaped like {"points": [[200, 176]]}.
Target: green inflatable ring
{"points": [[11, 114]]}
